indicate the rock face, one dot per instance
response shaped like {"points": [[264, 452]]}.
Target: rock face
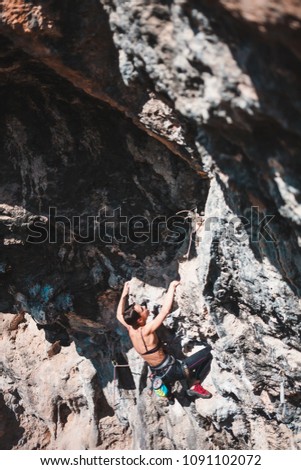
{"points": [[115, 116], [51, 399]]}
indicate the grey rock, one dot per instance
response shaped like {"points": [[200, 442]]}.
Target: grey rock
{"points": [[153, 109]]}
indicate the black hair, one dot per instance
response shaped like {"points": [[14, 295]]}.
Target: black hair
{"points": [[131, 317]]}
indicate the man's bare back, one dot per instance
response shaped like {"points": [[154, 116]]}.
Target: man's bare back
{"points": [[151, 342]]}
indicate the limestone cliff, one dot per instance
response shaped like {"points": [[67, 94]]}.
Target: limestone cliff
{"points": [[115, 117]]}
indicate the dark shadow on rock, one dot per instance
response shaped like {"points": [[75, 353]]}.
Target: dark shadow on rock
{"points": [[102, 408], [123, 372], [90, 157], [55, 332], [171, 341], [68, 251], [10, 429]]}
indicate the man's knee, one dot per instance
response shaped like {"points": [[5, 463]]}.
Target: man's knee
{"points": [[208, 354], [207, 349]]}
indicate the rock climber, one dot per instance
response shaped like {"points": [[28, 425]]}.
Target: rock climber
{"points": [[146, 342]]}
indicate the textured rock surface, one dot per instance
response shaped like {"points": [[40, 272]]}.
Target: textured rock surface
{"points": [[51, 399], [110, 104]]}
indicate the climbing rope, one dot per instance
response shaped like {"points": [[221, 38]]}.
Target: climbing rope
{"points": [[282, 394]]}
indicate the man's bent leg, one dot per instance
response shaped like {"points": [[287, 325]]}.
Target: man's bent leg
{"points": [[199, 361], [199, 366]]}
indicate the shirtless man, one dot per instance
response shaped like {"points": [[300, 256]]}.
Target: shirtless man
{"points": [[147, 344]]}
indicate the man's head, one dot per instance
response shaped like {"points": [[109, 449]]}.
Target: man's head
{"points": [[136, 315]]}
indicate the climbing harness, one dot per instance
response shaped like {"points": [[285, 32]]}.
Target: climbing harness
{"points": [[162, 369], [160, 388], [157, 385]]}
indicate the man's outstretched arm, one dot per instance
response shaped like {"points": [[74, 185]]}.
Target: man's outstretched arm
{"points": [[165, 310], [121, 305]]}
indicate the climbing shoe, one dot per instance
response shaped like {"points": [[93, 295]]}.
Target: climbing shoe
{"points": [[198, 391]]}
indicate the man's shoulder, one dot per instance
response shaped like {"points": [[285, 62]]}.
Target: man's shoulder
{"points": [[148, 328]]}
